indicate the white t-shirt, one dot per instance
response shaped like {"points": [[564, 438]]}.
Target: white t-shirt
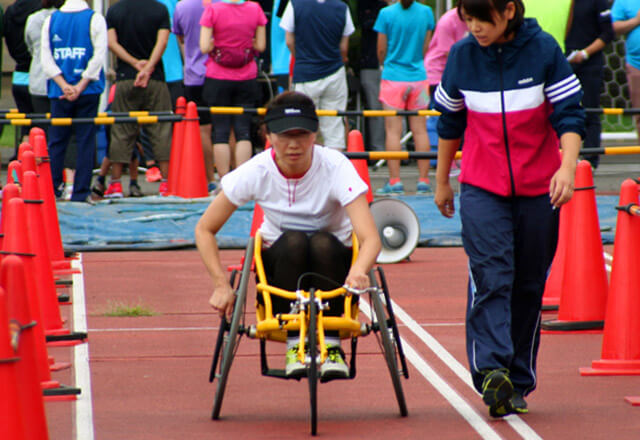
{"points": [[314, 202]]}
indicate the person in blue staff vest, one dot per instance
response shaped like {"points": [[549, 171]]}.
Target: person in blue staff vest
{"points": [[73, 50]]}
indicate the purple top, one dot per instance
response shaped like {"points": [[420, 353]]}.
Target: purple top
{"points": [[186, 22]]}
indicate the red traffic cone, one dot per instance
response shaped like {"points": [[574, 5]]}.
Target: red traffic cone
{"points": [[28, 160], [46, 289], [177, 143], [584, 293], [621, 339], [356, 144], [10, 191], [14, 172], [16, 242], [553, 286], [30, 401], [25, 146], [36, 131], [52, 226], [633, 400], [192, 180], [10, 416]]}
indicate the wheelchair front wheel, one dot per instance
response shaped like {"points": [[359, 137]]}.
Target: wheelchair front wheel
{"points": [[312, 373], [390, 349], [230, 341]]}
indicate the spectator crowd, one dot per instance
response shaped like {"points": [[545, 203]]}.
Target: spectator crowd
{"points": [[215, 52]]}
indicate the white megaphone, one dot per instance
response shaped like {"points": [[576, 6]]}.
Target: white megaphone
{"points": [[398, 227]]}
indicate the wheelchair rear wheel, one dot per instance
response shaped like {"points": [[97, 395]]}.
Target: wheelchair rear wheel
{"points": [[231, 339], [389, 346]]}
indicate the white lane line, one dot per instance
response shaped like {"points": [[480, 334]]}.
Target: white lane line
{"points": [[524, 430], [608, 258], [476, 421], [83, 404]]}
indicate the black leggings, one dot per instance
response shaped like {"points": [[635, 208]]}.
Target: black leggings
{"points": [[295, 253]]}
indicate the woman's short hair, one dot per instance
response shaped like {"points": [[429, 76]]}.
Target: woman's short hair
{"points": [[483, 10], [46, 4]]}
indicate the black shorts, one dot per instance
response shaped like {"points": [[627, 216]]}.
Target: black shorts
{"points": [[194, 93]]}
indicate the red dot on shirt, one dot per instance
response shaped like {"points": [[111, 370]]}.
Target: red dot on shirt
{"points": [[349, 189]]}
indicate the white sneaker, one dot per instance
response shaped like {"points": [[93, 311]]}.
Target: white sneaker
{"points": [[334, 367], [67, 192], [293, 366]]}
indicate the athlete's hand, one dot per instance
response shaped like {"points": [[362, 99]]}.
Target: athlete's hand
{"points": [[222, 300], [357, 279], [443, 199]]}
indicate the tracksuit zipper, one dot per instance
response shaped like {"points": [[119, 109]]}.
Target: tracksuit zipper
{"points": [[504, 125]]}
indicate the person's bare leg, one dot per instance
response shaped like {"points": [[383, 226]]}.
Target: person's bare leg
{"points": [[232, 151], [222, 157], [133, 168], [164, 168], [116, 170], [207, 151], [104, 166], [393, 128], [418, 127], [243, 152]]}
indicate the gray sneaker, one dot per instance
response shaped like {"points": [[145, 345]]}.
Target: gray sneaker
{"points": [[334, 367], [293, 366]]}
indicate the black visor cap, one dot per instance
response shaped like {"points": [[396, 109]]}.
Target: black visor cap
{"points": [[291, 117]]}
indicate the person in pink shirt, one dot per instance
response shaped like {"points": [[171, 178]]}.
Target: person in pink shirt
{"points": [[231, 33], [449, 29]]}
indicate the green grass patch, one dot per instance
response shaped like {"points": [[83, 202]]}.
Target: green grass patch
{"points": [[617, 123], [8, 137], [121, 309]]}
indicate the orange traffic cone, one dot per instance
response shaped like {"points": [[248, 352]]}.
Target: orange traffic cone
{"points": [[177, 142], [16, 242], [36, 131], [192, 180], [584, 287], [28, 160], [46, 289], [356, 144], [621, 339], [633, 400], [25, 146], [553, 286], [10, 191], [52, 226], [14, 280], [14, 172], [10, 416]]}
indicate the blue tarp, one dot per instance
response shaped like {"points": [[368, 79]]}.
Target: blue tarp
{"points": [[155, 222]]}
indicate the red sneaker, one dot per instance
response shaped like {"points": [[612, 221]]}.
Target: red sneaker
{"points": [[153, 174], [114, 191], [163, 190]]}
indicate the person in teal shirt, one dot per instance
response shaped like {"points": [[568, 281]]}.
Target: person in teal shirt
{"points": [[625, 17], [404, 32]]}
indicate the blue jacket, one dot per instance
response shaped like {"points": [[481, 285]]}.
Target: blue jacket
{"points": [[512, 101]]}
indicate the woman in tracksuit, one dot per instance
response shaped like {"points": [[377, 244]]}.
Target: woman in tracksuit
{"points": [[508, 88]]}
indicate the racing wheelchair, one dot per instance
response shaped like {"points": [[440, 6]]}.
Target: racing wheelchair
{"points": [[306, 316]]}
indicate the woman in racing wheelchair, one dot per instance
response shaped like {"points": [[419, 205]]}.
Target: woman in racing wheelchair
{"points": [[313, 200]]}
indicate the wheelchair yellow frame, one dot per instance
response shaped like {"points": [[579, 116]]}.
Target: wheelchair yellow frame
{"points": [[275, 327]]}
